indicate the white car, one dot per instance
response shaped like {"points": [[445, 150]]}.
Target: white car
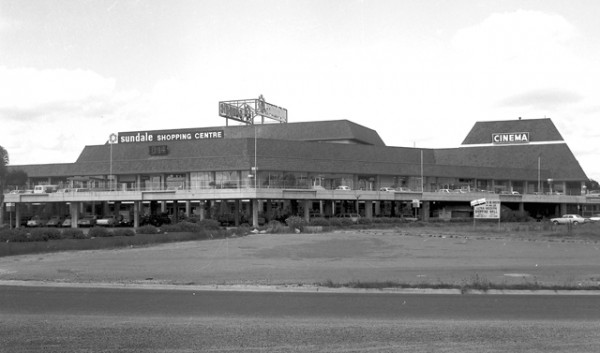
{"points": [[387, 189], [595, 218], [568, 219], [343, 187]]}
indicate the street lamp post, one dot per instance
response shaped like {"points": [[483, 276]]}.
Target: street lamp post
{"points": [[111, 140]]}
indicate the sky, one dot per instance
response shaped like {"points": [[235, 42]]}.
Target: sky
{"points": [[419, 72]]}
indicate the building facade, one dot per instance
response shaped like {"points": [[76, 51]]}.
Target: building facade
{"points": [[256, 173]]}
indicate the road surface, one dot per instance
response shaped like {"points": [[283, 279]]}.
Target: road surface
{"points": [[52, 319]]}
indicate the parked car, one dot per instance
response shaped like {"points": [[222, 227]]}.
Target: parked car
{"points": [[402, 189], [107, 221], [55, 221], [87, 221], [387, 189], [445, 191], [568, 219], [156, 220], [354, 217], [593, 193], [506, 192], [37, 222], [67, 222], [595, 218], [343, 187]]}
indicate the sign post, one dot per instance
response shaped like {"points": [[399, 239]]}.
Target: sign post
{"points": [[486, 209]]}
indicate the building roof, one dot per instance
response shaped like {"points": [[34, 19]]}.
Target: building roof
{"points": [[304, 147], [540, 130], [343, 131]]}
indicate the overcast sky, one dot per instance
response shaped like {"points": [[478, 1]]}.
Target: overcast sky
{"points": [[419, 72]]}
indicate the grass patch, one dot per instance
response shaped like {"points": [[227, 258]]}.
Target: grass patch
{"points": [[475, 283]]}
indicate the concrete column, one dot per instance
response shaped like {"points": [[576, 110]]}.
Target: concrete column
{"points": [[307, 204], [521, 207], [17, 214], [425, 210], [105, 208], [377, 208], [136, 213], [369, 209], [255, 212], [117, 208], [163, 206], [236, 213], [563, 209], [188, 208], [75, 206]]}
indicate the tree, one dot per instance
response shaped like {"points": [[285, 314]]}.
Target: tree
{"points": [[16, 178], [592, 185], [3, 172]]}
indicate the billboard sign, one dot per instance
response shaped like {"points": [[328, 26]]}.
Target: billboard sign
{"points": [[510, 138], [246, 110], [241, 112], [489, 210], [271, 111]]}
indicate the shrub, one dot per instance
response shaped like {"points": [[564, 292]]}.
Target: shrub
{"points": [[319, 221], [38, 234], [275, 227], [73, 233], [364, 220], [99, 232], [123, 232], [14, 235], [44, 234], [211, 224], [295, 222], [147, 229], [335, 222], [182, 227]]}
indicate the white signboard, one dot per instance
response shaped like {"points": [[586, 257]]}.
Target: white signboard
{"points": [[488, 210], [477, 202]]}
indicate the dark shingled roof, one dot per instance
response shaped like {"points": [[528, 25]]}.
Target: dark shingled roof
{"points": [[324, 131], [301, 147], [539, 130]]}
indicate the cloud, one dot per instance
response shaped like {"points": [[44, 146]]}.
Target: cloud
{"points": [[542, 98]]}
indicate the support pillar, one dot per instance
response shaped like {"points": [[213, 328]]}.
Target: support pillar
{"points": [[74, 213], [136, 214], [425, 210], [254, 212], [17, 215], [563, 209], [188, 208], [307, 205], [369, 209], [521, 207], [236, 213]]}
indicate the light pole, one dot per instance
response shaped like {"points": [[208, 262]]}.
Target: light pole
{"points": [[111, 140]]}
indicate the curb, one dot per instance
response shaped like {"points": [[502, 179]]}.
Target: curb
{"points": [[288, 288]]}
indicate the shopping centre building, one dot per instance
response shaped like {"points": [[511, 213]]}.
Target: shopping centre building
{"points": [[256, 172]]}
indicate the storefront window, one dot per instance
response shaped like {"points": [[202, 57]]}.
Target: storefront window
{"points": [[227, 180], [175, 181], [201, 180]]}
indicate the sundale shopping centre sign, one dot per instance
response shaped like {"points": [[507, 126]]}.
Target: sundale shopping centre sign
{"points": [[510, 138], [166, 136]]}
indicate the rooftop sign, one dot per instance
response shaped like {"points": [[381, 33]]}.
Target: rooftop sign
{"points": [[246, 110], [510, 138]]}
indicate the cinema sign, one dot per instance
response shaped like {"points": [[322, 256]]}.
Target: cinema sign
{"points": [[510, 138]]}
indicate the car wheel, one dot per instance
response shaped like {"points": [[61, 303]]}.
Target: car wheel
{"points": [[575, 223], [555, 222]]}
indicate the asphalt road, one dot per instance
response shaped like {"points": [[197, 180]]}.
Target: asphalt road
{"points": [[53, 319]]}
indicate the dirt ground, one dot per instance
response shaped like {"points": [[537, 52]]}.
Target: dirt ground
{"points": [[414, 256]]}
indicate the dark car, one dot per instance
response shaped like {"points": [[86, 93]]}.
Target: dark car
{"points": [[87, 221], [55, 221], [156, 220]]}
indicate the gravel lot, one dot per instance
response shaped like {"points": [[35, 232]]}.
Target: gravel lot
{"points": [[401, 255]]}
